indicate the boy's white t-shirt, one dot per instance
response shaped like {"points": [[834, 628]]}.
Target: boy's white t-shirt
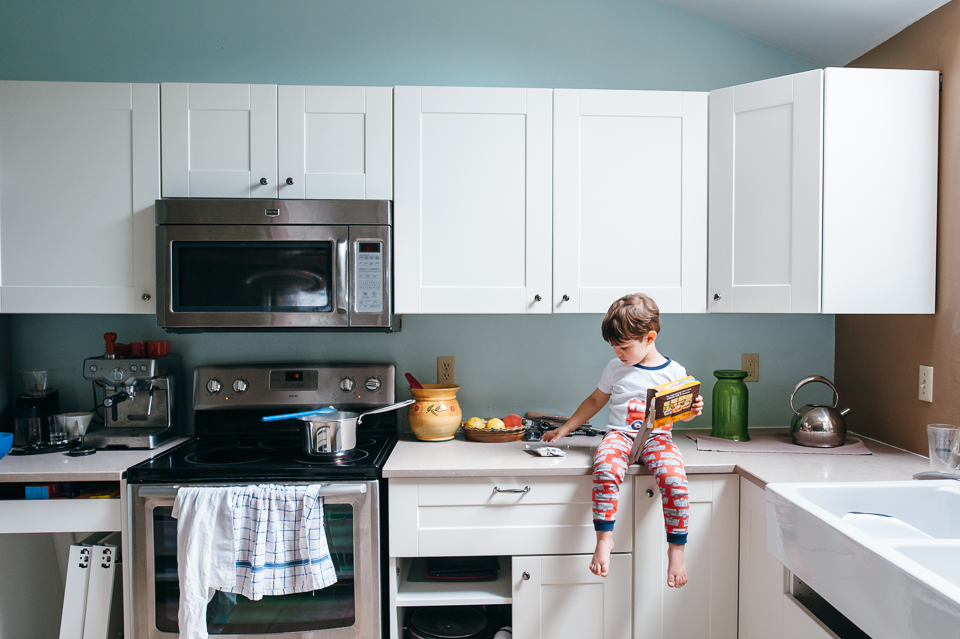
{"points": [[627, 386]]}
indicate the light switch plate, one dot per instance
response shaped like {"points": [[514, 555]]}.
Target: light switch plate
{"points": [[926, 383]]}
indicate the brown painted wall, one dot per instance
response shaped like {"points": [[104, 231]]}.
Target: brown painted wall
{"points": [[878, 356]]}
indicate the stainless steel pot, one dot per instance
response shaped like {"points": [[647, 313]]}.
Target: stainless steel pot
{"points": [[818, 425], [335, 433]]}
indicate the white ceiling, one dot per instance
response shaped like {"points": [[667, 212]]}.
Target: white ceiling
{"points": [[828, 32]]}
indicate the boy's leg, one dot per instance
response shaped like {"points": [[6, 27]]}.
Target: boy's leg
{"points": [[664, 460], [609, 467]]}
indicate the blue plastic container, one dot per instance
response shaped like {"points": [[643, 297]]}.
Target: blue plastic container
{"points": [[6, 443]]}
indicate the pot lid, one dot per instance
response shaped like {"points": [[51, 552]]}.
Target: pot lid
{"points": [[448, 622]]}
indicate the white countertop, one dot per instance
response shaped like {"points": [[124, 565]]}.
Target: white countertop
{"points": [[460, 458], [104, 465]]}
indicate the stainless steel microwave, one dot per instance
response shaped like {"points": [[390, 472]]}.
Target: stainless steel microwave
{"points": [[273, 264]]}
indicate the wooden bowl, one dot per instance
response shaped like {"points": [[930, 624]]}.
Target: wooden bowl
{"points": [[496, 435]]}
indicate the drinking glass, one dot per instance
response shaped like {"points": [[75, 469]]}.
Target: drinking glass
{"points": [[944, 442]]}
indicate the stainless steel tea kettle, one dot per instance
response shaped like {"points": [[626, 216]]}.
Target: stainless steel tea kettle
{"points": [[818, 425]]}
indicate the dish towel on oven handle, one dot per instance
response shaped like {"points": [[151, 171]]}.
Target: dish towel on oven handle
{"points": [[281, 544], [206, 552]]}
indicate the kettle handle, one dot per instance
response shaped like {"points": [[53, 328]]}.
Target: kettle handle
{"points": [[814, 378]]}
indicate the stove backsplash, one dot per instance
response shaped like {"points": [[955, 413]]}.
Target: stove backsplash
{"points": [[505, 363]]}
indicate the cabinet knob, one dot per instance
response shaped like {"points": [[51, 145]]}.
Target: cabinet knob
{"points": [[649, 492], [145, 297], [526, 575], [263, 181], [537, 298], [716, 297], [565, 298], [289, 181]]}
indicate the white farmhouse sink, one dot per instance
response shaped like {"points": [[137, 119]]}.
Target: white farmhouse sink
{"points": [[885, 554]]}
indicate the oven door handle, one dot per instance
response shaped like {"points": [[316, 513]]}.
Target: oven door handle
{"points": [[327, 490], [342, 294]]}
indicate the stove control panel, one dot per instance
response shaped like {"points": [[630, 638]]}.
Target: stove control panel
{"points": [[271, 386]]}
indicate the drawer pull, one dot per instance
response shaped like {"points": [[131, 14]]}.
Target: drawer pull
{"points": [[526, 575], [525, 489]]}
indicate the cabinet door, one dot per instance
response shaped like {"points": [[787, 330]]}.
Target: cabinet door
{"points": [[762, 577], [630, 200], [335, 142], [558, 596], [880, 190], [766, 141], [79, 174], [219, 140], [706, 607], [472, 201]]}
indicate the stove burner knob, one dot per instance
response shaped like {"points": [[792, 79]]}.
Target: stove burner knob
{"points": [[373, 384], [213, 386], [240, 385], [347, 384]]}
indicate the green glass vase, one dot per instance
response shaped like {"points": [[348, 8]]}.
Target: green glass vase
{"points": [[730, 399]]}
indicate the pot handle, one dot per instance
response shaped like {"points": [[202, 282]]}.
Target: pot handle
{"points": [[814, 378], [385, 409]]}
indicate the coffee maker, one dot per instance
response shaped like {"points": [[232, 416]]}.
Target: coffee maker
{"points": [[139, 383], [33, 412]]}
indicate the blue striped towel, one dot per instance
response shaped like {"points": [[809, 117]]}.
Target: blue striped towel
{"points": [[280, 542]]}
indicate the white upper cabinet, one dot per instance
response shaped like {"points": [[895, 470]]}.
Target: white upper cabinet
{"points": [[79, 174], [823, 193], [264, 141], [630, 199], [472, 205], [335, 142], [219, 140], [765, 195]]}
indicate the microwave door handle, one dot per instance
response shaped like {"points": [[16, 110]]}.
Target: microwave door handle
{"points": [[342, 295]]}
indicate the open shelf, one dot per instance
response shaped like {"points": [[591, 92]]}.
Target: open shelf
{"points": [[446, 593]]}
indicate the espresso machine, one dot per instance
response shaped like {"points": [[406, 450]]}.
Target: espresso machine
{"points": [[139, 384]]}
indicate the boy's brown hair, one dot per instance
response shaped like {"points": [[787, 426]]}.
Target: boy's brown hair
{"points": [[630, 317]]}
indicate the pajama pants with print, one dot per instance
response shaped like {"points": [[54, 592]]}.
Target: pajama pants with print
{"points": [[662, 458]]}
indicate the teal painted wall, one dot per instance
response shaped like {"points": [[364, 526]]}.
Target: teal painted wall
{"points": [[504, 363]]}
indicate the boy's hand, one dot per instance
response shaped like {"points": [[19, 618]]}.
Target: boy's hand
{"points": [[552, 435], [696, 408]]}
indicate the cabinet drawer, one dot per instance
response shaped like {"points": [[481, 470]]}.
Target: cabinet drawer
{"points": [[477, 516]]}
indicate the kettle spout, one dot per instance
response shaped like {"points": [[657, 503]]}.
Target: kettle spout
{"points": [[844, 412]]}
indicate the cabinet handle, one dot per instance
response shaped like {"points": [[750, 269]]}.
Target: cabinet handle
{"points": [[566, 298], [526, 576], [525, 489], [716, 297], [649, 492], [145, 297], [537, 298], [289, 181], [263, 181]]}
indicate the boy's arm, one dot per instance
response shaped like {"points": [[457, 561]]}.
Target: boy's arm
{"points": [[697, 409], [587, 409]]}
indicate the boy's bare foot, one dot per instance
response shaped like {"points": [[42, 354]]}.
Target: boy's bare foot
{"points": [[600, 564], [676, 568]]}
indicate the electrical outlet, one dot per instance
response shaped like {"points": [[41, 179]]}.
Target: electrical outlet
{"points": [[926, 383], [447, 370], [750, 362]]}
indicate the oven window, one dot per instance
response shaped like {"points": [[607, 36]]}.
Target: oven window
{"points": [[253, 277], [228, 614]]}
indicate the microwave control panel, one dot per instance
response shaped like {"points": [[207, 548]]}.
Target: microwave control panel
{"points": [[369, 291]]}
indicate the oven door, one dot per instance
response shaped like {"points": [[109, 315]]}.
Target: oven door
{"points": [[253, 276], [348, 609]]}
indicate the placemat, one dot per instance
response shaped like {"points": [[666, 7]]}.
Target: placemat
{"points": [[776, 443]]}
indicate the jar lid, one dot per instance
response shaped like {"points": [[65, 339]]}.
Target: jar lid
{"points": [[730, 374]]}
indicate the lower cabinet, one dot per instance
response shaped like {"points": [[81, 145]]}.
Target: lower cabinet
{"points": [[763, 578], [706, 607]]}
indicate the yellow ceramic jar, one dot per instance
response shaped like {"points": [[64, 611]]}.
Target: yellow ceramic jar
{"points": [[435, 416]]}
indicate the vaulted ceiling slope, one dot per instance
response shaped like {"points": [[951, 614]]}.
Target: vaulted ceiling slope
{"points": [[828, 32]]}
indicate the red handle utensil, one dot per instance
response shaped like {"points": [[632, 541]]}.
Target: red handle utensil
{"points": [[412, 381]]}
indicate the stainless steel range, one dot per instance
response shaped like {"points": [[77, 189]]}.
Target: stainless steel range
{"points": [[233, 446]]}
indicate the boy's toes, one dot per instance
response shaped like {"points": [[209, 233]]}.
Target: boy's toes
{"points": [[671, 581]]}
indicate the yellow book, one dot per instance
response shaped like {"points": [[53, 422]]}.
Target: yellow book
{"points": [[670, 402]]}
